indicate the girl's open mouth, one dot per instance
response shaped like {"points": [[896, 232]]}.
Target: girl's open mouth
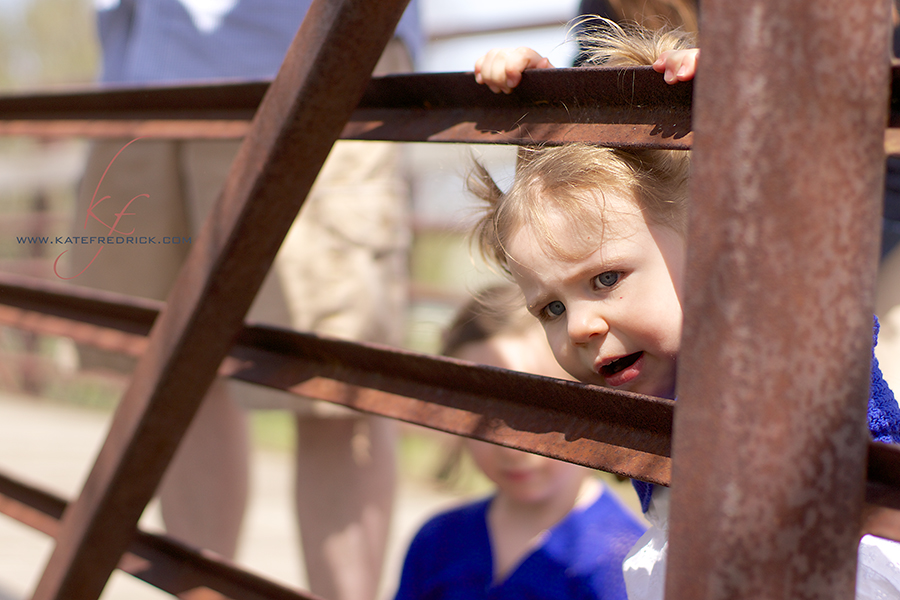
{"points": [[620, 364]]}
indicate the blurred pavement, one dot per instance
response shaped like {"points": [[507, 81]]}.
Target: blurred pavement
{"points": [[53, 446]]}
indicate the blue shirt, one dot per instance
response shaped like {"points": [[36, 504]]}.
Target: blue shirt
{"points": [[883, 417], [185, 40], [580, 559]]}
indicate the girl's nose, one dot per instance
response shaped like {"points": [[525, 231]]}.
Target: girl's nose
{"points": [[585, 322], [510, 458]]}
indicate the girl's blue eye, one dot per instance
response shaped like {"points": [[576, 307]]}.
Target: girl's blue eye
{"points": [[554, 309], [607, 279]]}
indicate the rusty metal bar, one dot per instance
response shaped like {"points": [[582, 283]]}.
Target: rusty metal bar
{"points": [[234, 101], [617, 432], [322, 78], [163, 129], [770, 444], [109, 310], [158, 560], [625, 434], [430, 391], [616, 107], [632, 107], [591, 104]]}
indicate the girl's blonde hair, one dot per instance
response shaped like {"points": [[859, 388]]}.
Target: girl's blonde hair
{"points": [[573, 179], [628, 44], [656, 14]]}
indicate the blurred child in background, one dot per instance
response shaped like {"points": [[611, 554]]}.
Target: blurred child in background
{"points": [[551, 530]]}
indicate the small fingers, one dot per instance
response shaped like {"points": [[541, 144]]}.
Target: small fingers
{"points": [[491, 70], [677, 65], [688, 68], [501, 69]]}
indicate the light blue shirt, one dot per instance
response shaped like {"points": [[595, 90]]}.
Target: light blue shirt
{"points": [[162, 41]]}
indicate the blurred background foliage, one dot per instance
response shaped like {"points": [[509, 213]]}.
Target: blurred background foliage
{"points": [[47, 43]]}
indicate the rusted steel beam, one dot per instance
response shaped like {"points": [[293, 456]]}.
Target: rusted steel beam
{"points": [[177, 569], [430, 391], [322, 78], [165, 129], [30, 505], [126, 314], [235, 101], [771, 439], [550, 107], [221, 111], [631, 107], [238, 101], [425, 390], [158, 560], [624, 434], [586, 104], [626, 108], [617, 432]]}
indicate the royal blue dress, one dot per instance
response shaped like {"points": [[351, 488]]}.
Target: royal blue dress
{"points": [[580, 559]]}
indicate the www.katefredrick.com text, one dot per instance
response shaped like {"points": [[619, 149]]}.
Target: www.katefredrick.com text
{"points": [[118, 239]]}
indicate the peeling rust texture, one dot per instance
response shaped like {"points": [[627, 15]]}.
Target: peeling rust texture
{"points": [[771, 439]]}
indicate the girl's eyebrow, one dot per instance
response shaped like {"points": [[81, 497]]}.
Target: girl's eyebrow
{"points": [[537, 304], [594, 265], [588, 268], [539, 300]]}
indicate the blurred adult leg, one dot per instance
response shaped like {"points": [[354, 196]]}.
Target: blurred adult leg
{"points": [[203, 495], [344, 268], [347, 277], [345, 493], [204, 491]]}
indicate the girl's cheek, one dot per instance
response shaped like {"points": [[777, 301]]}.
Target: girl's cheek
{"points": [[560, 353]]}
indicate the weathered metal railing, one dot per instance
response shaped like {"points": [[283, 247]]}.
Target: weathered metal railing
{"points": [[200, 331], [550, 106]]}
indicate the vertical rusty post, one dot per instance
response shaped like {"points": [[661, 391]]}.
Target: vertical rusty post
{"points": [[770, 426], [322, 79]]}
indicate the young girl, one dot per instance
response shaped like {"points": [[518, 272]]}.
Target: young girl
{"points": [[595, 238], [551, 531]]}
